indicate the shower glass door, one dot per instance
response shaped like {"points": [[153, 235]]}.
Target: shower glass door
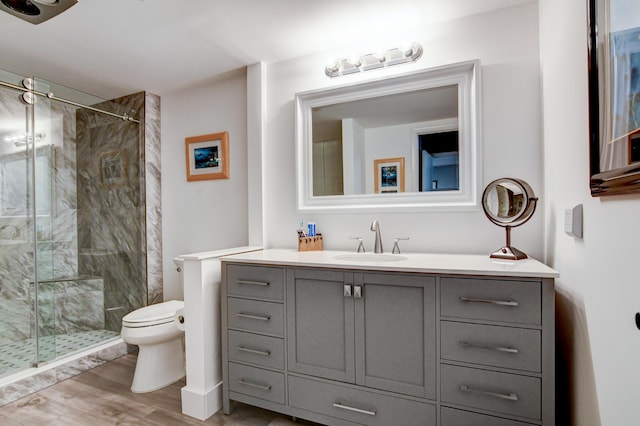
{"points": [[90, 227], [17, 248], [72, 222]]}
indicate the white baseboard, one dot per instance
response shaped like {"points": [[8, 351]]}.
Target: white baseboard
{"points": [[201, 406]]}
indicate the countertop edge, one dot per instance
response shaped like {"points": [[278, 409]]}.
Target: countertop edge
{"points": [[470, 264]]}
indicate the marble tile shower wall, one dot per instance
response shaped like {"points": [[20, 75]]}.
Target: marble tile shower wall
{"points": [[113, 233]]}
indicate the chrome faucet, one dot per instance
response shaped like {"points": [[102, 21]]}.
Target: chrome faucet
{"points": [[377, 247]]}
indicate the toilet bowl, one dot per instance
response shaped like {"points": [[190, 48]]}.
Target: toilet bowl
{"points": [[156, 331]]}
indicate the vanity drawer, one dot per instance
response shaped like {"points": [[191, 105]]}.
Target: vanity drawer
{"points": [[357, 405], [256, 349], [252, 381], [253, 315], [491, 299], [453, 417], [508, 347], [255, 281], [491, 390]]}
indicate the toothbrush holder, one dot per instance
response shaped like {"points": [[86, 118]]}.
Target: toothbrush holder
{"points": [[310, 243]]}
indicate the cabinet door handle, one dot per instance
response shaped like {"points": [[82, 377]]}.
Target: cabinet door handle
{"points": [[346, 290], [490, 348], [340, 405], [254, 351], [507, 396], [357, 291], [248, 282], [252, 316], [254, 385], [511, 303]]}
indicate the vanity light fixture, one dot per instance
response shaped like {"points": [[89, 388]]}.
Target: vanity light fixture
{"points": [[372, 61], [35, 11]]}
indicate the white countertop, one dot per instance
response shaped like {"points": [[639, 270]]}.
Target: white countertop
{"points": [[466, 264], [218, 253]]}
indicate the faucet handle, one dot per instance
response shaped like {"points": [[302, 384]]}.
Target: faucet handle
{"points": [[396, 248], [360, 245]]}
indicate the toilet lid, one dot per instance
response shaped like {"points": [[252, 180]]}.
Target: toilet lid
{"points": [[160, 312]]}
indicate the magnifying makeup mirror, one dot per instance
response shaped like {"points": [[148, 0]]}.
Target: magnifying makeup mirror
{"points": [[508, 202]]}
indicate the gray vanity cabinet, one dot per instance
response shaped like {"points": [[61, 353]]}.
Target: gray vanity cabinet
{"points": [[395, 333], [357, 346], [320, 324], [375, 330]]}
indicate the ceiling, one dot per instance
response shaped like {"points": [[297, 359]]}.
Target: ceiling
{"points": [[117, 47]]}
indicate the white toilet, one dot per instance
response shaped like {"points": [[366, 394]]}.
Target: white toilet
{"points": [[155, 330]]}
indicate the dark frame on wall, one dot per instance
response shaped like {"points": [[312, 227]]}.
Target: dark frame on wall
{"points": [[614, 103]]}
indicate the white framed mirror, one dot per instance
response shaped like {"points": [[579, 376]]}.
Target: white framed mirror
{"points": [[407, 142]]}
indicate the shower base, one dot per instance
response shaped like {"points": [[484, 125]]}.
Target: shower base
{"points": [[16, 355], [81, 352]]}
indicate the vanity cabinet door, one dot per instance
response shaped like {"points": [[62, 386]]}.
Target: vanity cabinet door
{"points": [[395, 320], [320, 326]]}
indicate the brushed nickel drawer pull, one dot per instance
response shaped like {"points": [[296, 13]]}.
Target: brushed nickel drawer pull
{"points": [[490, 348], [248, 282], [254, 385], [357, 291], [252, 316], [508, 396], [346, 290], [340, 405], [510, 303], [254, 351]]}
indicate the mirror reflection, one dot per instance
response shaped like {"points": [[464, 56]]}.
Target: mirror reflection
{"points": [[409, 141], [352, 142], [14, 183], [505, 200]]}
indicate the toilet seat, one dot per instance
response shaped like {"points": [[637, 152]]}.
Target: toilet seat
{"points": [[160, 313]]}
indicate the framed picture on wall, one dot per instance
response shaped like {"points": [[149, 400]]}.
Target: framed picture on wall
{"points": [[388, 175], [614, 96], [207, 156], [113, 168]]}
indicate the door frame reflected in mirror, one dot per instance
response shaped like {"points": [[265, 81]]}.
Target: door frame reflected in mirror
{"points": [[466, 75]]}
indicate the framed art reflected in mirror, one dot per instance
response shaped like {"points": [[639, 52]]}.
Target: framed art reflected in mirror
{"points": [[389, 175], [614, 96]]}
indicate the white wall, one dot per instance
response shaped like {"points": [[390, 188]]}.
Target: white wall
{"points": [[211, 214], [598, 289], [506, 43]]}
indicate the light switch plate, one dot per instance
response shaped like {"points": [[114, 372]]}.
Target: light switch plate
{"points": [[573, 221]]}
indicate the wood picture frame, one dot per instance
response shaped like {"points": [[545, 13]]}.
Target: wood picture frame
{"points": [[388, 175], [207, 156]]}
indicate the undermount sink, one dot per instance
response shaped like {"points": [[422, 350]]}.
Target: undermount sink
{"points": [[371, 257]]}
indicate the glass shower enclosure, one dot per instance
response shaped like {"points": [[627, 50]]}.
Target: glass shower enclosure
{"points": [[72, 246]]}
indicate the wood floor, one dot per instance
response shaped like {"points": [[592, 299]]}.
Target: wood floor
{"points": [[102, 397]]}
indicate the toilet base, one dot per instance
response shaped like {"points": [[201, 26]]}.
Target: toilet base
{"points": [[158, 366]]}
